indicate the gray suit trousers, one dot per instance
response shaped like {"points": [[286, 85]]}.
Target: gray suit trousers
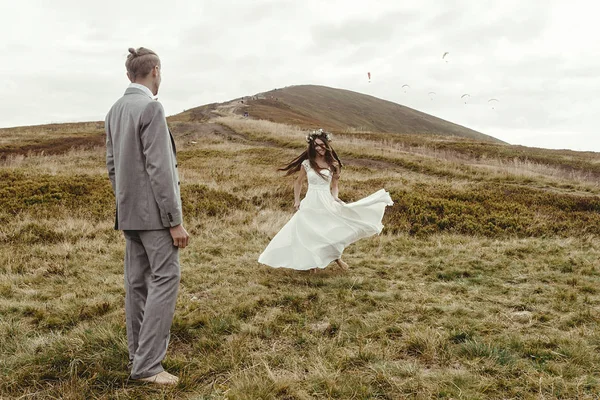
{"points": [[152, 277]]}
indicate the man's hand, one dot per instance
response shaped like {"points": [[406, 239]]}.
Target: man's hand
{"points": [[297, 205], [180, 236]]}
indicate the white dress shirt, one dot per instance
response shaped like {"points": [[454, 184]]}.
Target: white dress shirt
{"points": [[144, 89]]}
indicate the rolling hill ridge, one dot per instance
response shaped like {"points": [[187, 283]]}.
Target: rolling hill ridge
{"points": [[312, 106]]}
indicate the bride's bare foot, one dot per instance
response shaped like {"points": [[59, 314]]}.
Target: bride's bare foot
{"points": [[342, 264]]}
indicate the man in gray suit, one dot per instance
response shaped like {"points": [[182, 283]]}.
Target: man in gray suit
{"points": [[142, 167]]}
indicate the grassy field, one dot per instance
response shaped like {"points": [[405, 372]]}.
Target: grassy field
{"points": [[483, 285]]}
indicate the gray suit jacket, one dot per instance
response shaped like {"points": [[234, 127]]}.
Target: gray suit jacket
{"points": [[142, 164]]}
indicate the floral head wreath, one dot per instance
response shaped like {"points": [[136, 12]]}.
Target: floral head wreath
{"points": [[315, 134]]}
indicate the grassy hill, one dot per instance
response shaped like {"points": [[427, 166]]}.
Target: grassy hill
{"points": [[312, 106], [484, 283]]}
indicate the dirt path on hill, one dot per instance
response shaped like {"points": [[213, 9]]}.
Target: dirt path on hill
{"points": [[188, 132]]}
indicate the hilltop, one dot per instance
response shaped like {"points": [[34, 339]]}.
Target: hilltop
{"points": [[312, 106]]}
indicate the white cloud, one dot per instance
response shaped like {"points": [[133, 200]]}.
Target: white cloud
{"points": [[65, 60]]}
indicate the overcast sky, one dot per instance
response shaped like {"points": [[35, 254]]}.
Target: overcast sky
{"points": [[64, 60]]}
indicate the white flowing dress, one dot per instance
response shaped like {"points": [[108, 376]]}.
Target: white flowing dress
{"points": [[322, 227]]}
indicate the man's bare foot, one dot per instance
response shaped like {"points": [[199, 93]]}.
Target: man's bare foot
{"points": [[342, 264], [162, 378]]}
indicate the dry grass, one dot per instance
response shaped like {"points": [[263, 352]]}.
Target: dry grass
{"points": [[426, 159], [428, 310]]}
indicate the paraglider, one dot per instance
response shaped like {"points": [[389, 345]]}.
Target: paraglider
{"points": [[431, 94], [444, 56], [405, 86], [492, 101], [369, 75], [466, 97]]}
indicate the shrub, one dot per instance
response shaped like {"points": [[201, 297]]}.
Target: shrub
{"points": [[200, 200], [492, 210], [45, 195]]}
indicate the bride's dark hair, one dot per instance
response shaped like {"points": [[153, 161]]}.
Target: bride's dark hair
{"points": [[310, 154]]}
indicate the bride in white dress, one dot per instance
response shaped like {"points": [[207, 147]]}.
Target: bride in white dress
{"points": [[323, 224]]}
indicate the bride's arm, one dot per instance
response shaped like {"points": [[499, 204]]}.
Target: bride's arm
{"points": [[334, 184], [298, 187]]}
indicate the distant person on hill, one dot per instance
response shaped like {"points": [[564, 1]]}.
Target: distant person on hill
{"points": [[323, 225], [142, 167]]}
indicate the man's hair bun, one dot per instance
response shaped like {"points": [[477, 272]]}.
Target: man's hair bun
{"points": [[140, 62]]}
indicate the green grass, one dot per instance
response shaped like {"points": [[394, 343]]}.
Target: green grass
{"points": [[483, 285]]}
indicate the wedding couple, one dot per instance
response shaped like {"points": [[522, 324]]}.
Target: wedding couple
{"points": [[142, 167]]}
